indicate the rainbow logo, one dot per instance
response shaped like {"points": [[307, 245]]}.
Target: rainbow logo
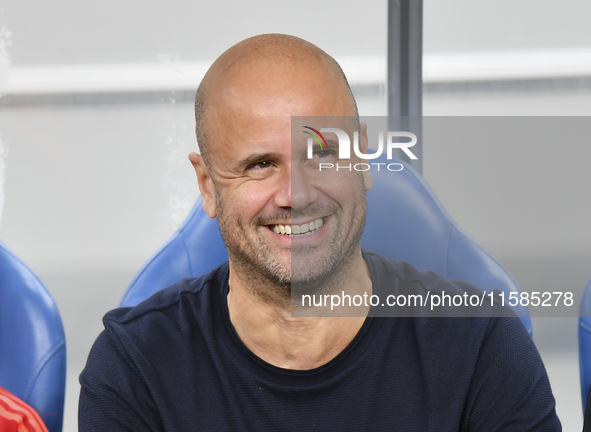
{"points": [[316, 138]]}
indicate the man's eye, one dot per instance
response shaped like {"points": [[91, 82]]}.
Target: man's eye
{"points": [[323, 154], [259, 165]]}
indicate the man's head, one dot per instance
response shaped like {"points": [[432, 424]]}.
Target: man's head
{"points": [[269, 49], [253, 172]]}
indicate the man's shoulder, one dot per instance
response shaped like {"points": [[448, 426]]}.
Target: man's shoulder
{"points": [[171, 300], [405, 291], [407, 276]]}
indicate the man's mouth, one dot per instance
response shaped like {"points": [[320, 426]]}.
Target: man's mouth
{"points": [[298, 230]]}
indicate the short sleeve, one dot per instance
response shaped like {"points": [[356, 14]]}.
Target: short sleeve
{"points": [[113, 395], [510, 390]]}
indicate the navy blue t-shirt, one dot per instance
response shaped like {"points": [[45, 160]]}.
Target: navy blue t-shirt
{"points": [[175, 363]]}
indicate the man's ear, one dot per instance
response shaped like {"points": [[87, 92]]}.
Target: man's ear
{"points": [[206, 185], [363, 145]]}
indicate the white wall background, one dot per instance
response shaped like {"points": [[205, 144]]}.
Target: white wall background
{"points": [[91, 185]]}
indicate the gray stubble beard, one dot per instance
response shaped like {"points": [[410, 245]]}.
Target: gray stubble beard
{"points": [[258, 270]]}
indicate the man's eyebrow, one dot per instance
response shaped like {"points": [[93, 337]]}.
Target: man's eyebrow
{"points": [[331, 144], [254, 158]]}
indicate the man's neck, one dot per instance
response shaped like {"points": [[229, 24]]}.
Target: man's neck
{"points": [[270, 331]]}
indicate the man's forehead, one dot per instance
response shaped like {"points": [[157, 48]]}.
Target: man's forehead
{"points": [[272, 79], [270, 96], [258, 85]]}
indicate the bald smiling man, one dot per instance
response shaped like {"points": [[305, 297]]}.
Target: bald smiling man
{"points": [[223, 352]]}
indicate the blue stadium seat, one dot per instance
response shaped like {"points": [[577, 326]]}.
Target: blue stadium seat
{"points": [[405, 221], [32, 341], [585, 342]]}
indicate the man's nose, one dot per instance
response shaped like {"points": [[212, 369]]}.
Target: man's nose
{"points": [[295, 189]]}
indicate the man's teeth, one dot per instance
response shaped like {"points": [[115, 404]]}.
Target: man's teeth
{"points": [[307, 228]]}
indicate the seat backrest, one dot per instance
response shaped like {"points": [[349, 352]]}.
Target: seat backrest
{"points": [[32, 341], [585, 342], [405, 221]]}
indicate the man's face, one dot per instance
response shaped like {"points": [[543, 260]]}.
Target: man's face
{"points": [[266, 188]]}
